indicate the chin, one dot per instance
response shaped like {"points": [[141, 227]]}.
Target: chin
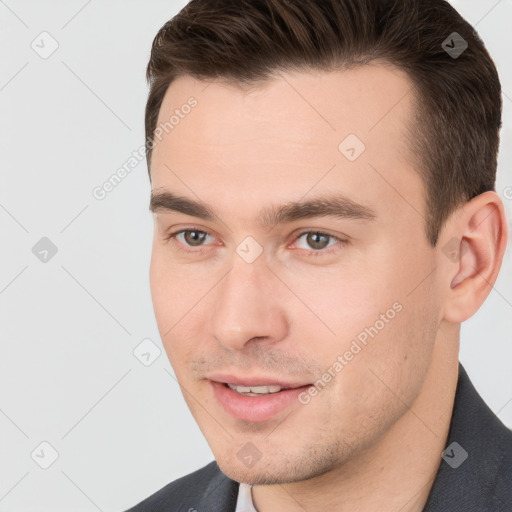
{"points": [[279, 470], [253, 476]]}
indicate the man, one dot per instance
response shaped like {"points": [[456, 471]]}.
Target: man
{"points": [[325, 218]]}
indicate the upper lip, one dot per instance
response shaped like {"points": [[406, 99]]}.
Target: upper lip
{"points": [[254, 381]]}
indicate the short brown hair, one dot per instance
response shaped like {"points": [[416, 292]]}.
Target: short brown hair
{"points": [[455, 135]]}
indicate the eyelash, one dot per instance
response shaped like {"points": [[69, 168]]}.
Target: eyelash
{"points": [[312, 252]]}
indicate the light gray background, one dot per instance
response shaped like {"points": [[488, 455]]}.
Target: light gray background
{"points": [[68, 375]]}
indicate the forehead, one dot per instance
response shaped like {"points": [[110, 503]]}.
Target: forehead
{"points": [[343, 130]]}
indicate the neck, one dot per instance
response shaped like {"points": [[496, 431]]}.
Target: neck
{"points": [[396, 472]]}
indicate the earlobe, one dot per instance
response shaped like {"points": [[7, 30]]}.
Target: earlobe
{"points": [[475, 255]]}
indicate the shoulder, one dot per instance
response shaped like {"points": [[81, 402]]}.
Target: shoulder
{"points": [[206, 488], [476, 470], [497, 464]]}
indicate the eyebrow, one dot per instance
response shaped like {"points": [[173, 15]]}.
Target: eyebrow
{"points": [[338, 206]]}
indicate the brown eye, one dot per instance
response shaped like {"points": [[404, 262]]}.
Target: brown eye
{"points": [[318, 243], [317, 240], [194, 238]]}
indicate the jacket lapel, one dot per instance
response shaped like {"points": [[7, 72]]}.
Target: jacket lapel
{"points": [[472, 475]]}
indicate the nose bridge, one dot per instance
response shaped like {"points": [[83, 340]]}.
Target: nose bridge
{"points": [[247, 306]]}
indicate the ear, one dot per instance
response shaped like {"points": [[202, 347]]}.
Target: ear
{"points": [[471, 251]]}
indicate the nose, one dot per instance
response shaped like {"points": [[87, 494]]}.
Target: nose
{"points": [[249, 306]]}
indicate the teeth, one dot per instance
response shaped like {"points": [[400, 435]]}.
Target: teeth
{"points": [[255, 390]]}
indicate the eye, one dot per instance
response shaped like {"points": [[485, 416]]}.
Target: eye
{"points": [[317, 241], [190, 237]]}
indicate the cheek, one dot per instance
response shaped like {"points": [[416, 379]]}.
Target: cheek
{"points": [[339, 306], [376, 378], [370, 314], [179, 295], [393, 364], [175, 289], [168, 304], [162, 291]]}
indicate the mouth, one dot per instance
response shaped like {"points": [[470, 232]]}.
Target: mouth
{"points": [[256, 401], [257, 390]]}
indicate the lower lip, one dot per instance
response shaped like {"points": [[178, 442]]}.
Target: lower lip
{"points": [[255, 408]]}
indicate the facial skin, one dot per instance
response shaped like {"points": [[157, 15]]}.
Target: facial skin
{"points": [[372, 438]]}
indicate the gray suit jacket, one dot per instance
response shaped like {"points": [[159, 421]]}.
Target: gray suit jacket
{"points": [[480, 482]]}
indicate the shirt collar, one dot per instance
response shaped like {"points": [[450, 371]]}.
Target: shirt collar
{"points": [[244, 502]]}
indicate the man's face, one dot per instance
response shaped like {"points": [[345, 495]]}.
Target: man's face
{"points": [[346, 293]]}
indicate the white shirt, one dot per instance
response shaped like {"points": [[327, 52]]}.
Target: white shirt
{"points": [[244, 501]]}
